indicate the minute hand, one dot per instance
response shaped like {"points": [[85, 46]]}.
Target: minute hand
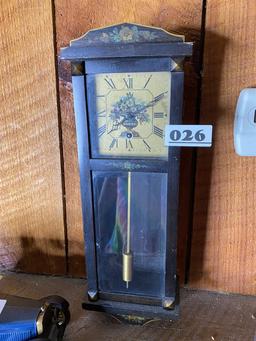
{"points": [[155, 100], [151, 103]]}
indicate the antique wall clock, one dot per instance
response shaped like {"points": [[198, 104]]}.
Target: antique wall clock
{"points": [[127, 86]]}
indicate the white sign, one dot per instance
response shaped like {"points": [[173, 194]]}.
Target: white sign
{"points": [[181, 135], [2, 304]]}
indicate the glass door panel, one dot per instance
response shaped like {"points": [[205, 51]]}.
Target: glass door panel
{"points": [[130, 211]]}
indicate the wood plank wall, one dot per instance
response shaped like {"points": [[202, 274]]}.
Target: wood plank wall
{"points": [[38, 233], [224, 238], [71, 22], [31, 210]]}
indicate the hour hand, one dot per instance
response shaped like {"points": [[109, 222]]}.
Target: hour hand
{"points": [[116, 125]]}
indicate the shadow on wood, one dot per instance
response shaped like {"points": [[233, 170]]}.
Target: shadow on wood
{"points": [[204, 161], [35, 260]]}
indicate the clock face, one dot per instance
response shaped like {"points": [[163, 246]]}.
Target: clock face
{"points": [[132, 110]]}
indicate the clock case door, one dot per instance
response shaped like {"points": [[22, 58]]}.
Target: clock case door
{"points": [[141, 58]]}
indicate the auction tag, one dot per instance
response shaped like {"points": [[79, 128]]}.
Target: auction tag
{"points": [[2, 304], [181, 135]]}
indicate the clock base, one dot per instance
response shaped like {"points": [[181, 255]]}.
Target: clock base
{"points": [[141, 312]]}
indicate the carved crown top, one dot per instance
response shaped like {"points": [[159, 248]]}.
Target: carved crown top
{"points": [[124, 34], [99, 43]]}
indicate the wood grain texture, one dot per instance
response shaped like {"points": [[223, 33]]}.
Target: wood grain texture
{"points": [[31, 210], [72, 20], [224, 238], [203, 315]]}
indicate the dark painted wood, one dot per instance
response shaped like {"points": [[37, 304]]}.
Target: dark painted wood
{"points": [[85, 178], [171, 283], [125, 33], [129, 165], [126, 40], [92, 109], [129, 65], [130, 298], [135, 50], [122, 308]]}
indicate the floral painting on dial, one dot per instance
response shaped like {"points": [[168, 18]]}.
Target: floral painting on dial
{"points": [[128, 106]]}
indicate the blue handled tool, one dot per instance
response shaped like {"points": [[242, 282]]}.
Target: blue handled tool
{"points": [[26, 319]]}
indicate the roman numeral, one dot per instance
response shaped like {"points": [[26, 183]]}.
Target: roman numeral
{"points": [[128, 144], [147, 81], [102, 130], [158, 131], [110, 82], [128, 82], [147, 145], [102, 113], [158, 115], [113, 144]]}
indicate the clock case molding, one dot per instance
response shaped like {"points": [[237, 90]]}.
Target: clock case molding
{"points": [[127, 48]]}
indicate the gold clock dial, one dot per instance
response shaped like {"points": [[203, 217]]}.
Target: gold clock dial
{"points": [[132, 110]]}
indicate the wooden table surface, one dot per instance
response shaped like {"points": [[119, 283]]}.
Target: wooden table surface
{"points": [[204, 315]]}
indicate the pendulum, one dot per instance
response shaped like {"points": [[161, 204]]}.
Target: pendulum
{"points": [[127, 254]]}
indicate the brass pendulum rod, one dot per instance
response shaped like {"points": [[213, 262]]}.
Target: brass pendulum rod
{"points": [[128, 245], [127, 254]]}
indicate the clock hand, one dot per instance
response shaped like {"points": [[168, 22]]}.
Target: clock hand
{"points": [[116, 125], [154, 101]]}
